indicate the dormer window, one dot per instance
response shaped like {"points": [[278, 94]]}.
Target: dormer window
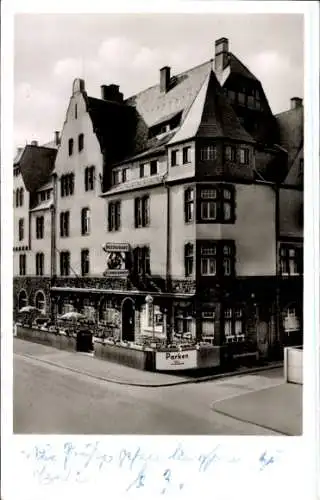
{"points": [[165, 125]]}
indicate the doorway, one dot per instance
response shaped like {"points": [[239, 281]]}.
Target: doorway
{"points": [[127, 319]]}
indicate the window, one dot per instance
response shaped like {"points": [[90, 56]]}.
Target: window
{"points": [[186, 155], [241, 98], [64, 263], [183, 321], [244, 156], [22, 264], [230, 153], [116, 177], [188, 259], [291, 321], [142, 170], [209, 260], [231, 95], [290, 260], [21, 229], [89, 178], [142, 211], [188, 204], [85, 262], [70, 146], [217, 204], [22, 299], [76, 111], [233, 325], [64, 224], [217, 258], [85, 221], [39, 264], [208, 204], [67, 184], [208, 153], [174, 157], [19, 197], [114, 215], [80, 142], [40, 301], [153, 167], [124, 175], [207, 325], [39, 227], [141, 260]]}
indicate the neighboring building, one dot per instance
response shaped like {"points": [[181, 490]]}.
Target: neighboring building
{"points": [[173, 209]]}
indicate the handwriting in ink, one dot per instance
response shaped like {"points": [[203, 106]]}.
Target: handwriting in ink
{"points": [[139, 480], [167, 478]]}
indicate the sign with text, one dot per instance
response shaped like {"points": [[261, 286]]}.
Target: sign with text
{"points": [[183, 360]]}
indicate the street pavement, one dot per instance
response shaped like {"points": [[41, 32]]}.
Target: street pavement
{"points": [[50, 397]]}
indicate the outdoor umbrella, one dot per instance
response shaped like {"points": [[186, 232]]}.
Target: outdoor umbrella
{"points": [[29, 309], [72, 315]]}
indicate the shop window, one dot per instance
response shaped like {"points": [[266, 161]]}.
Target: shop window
{"points": [[85, 221], [291, 320], [188, 205], [39, 264], [186, 155], [64, 224], [89, 178], [142, 212], [40, 227], [291, 261], [108, 313], [64, 263], [114, 215], [40, 301], [188, 259], [183, 322], [208, 326], [233, 325], [85, 262], [208, 153]]}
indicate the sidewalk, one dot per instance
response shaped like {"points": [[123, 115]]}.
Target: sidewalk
{"points": [[113, 372], [276, 408]]}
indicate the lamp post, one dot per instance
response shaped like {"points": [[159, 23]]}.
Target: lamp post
{"points": [[149, 301]]}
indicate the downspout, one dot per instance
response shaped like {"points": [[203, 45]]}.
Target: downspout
{"points": [[53, 235], [168, 262]]}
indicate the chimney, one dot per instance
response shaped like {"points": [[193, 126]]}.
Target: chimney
{"points": [[296, 102], [34, 143], [165, 78], [221, 54], [56, 137], [111, 93]]}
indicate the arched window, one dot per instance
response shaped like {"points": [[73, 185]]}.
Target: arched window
{"points": [[22, 300], [40, 301]]}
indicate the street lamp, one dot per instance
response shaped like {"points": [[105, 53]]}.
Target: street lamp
{"points": [[149, 301]]}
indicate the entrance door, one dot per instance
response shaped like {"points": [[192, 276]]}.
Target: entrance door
{"points": [[128, 320]]}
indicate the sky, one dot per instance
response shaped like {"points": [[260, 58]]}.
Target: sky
{"points": [[51, 50]]}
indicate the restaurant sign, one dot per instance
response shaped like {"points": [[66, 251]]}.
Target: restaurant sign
{"points": [[182, 360]]}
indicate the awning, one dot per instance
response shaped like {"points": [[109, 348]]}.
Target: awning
{"points": [[139, 293]]}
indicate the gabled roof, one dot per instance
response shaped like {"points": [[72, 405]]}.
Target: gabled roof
{"points": [[237, 67]]}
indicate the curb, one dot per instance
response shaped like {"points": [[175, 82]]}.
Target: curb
{"points": [[168, 384]]}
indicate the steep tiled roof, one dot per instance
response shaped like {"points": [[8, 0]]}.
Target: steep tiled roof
{"points": [[218, 117], [36, 164], [290, 128], [237, 67], [113, 124]]}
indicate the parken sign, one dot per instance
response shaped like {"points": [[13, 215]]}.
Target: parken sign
{"points": [[183, 360]]}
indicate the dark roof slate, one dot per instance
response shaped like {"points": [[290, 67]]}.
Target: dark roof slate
{"points": [[36, 165]]}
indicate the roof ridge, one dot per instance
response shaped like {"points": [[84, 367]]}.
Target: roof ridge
{"points": [[173, 76]]}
